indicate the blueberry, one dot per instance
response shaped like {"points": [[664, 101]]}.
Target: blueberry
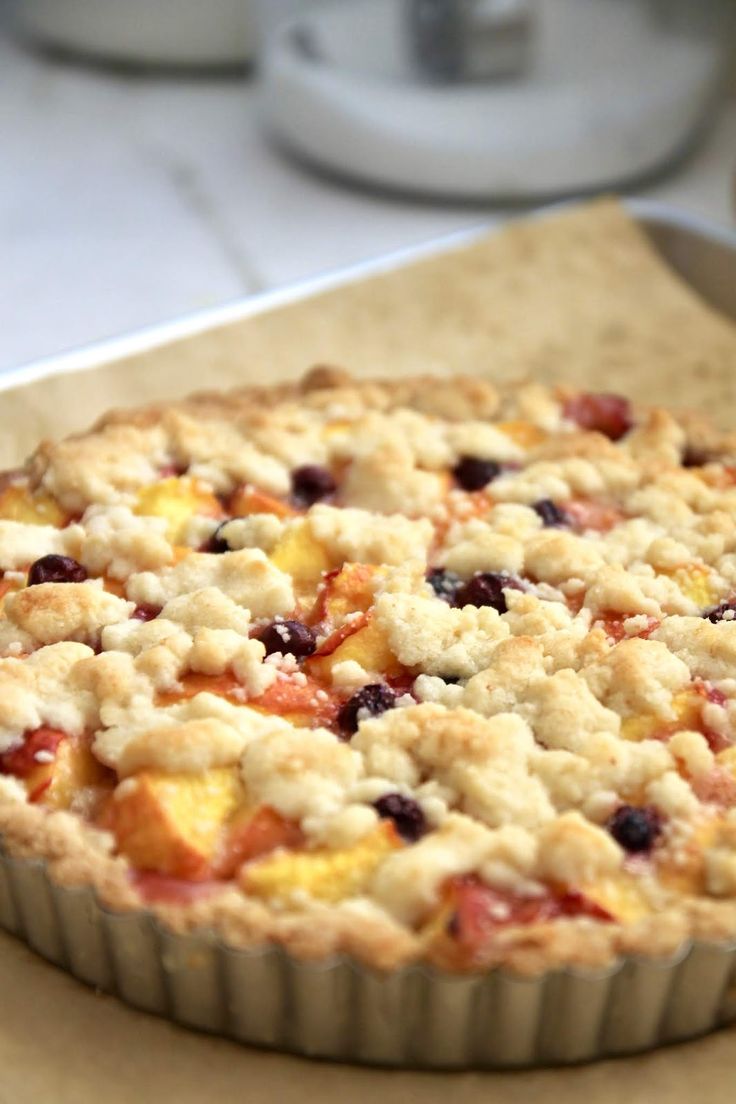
{"points": [[289, 638], [217, 542], [694, 457], [369, 701], [473, 474], [406, 814], [311, 483], [635, 828], [445, 584], [145, 612], [721, 613], [56, 569], [486, 589], [550, 512]]}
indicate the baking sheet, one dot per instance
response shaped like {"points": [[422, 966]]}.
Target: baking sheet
{"points": [[579, 296], [575, 295]]}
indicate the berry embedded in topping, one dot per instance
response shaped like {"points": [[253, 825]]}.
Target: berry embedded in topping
{"points": [[406, 814], [608, 414], [635, 828], [370, 701], [56, 569], [486, 589], [311, 483], [725, 612], [550, 513], [289, 638], [145, 613], [694, 457], [217, 543], [445, 584], [472, 473]]}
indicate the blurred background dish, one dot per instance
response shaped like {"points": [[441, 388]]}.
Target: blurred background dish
{"points": [[137, 194], [578, 94], [144, 32]]}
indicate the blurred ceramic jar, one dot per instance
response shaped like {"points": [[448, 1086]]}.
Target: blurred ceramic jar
{"points": [[270, 14], [208, 33]]}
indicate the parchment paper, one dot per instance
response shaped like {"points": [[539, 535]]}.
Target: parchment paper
{"points": [[580, 297]]}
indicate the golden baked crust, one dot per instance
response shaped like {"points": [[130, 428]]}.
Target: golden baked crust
{"points": [[587, 680]]}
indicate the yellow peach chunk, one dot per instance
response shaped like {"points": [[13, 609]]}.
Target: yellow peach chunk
{"points": [[5, 588], [172, 823], [687, 707], [524, 434], [249, 500], [621, 895], [351, 591], [727, 760], [74, 770], [19, 503], [333, 429], [177, 500], [367, 647], [694, 580], [685, 873], [325, 875], [71, 770], [302, 557]]}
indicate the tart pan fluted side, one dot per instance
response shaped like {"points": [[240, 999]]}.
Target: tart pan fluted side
{"points": [[415, 1017]]}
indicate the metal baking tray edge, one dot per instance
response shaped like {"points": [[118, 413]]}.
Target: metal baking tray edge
{"points": [[416, 1017]]}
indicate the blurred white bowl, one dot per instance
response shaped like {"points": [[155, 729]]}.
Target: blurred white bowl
{"points": [[148, 32]]}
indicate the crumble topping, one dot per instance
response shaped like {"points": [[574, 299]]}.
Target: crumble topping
{"points": [[246, 577]]}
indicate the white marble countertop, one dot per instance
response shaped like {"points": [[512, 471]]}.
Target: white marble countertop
{"points": [[126, 200]]}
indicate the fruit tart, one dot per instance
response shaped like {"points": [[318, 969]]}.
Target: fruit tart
{"points": [[419, 673]]}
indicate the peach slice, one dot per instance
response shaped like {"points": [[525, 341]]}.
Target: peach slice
{"points": [[5, 587], [54, 767], [347, 590], [302, 557], [586, 513], [687, 706], [303, 702], [686, 875], [75, 769], [173, 823], [19, 503], [252, 834], [694, 580], [367, 646], [524, 434], [177, 499], [620, 895], [224, 686], [325, 875], [726, 759], [471, 914], [249, 500]]}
